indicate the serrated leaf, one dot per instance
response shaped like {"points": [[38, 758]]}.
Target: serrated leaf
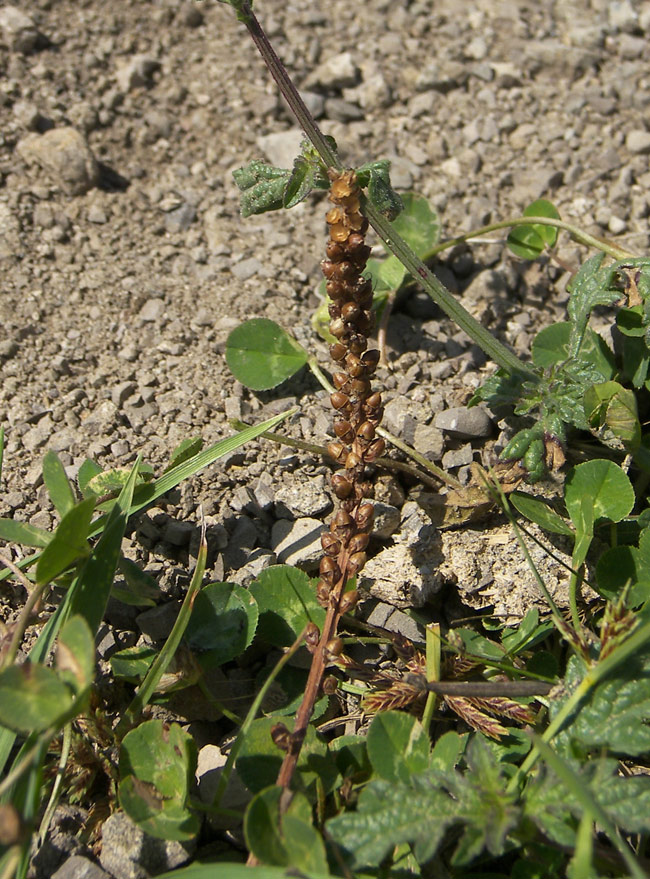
{"points": [[588, 288], [261, 354], [222, 624], [184, 451], [390, 814], [57, 483], [157, 765], [22, 532], [398, 745], [539, 512], [69, 542], [262, 187], [287, 602]]}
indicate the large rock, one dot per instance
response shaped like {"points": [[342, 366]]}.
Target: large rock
{"points": [[129, 853], [18, 30], [65, 157]]}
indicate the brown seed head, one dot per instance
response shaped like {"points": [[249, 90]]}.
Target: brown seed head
{"points": [[356, 561], [342, 486]]}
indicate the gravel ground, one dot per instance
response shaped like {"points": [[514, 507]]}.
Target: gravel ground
{"points": [[125, 263]]}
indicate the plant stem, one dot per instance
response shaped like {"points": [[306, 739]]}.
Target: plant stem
{"points": [[440, 295], [577, 234], [433, 670]]}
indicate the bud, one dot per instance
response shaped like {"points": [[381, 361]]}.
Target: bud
{"points": [[357, 343], [340, 379], [312, 637], [328, 268], [370, 359], [335, 289], [334, 251], [323, 590], [344, 271], [359, 387], [334, 646], [354, 366], [373, 402], [364, 516], [355, 241]]}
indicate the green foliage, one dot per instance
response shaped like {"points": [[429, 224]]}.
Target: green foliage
{"points": [[157, 765], [287, 602], [261, 354], [530, 241], [222, 624]]}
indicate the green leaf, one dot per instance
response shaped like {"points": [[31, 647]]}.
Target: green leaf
{"points": [[616, 716], [588, 288], [33, 698], [616, 567], [133, 663], [57, 484], [241, 8], [597, 489], [390, 814], [75, 658], [528, 241], [223, 623], [157, 765], [262, 187], [447, 751], [86, 472], [93, 585], [287, 602], [551, 345], [22, 532], [260, 759], [300, 183], [538, 511], [529, 632], [398, 745], [288, 839], [113, 481], [140, 589], [376, 177], [69, 543], [219, 870], [185, 450], [610, 404], [261, 354]]}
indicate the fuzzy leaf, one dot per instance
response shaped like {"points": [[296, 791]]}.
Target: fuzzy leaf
{"points": [[262, 187], [261, 354], [588, 288], [398, 745], [22, 532]]}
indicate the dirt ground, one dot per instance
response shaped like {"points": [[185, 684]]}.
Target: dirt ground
{"points": [[125, 263]]}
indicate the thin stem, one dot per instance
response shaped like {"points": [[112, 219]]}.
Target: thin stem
{"points": [[577, 234], [422, 461], [22, 622], [66, 744], [441, 296], [433, 667]]}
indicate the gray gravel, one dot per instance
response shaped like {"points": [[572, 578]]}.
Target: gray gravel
{"points": [[125, 263]]}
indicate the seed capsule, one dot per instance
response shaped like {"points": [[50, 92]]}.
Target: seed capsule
{"points": [[342, 525], [330, 685], [336, 451], [365, 322], [334, 646], [350, 311], [370, 359], [353, 461], [334, 251], [335, 215], [354, 365], [340, 379], [338, 351], [364, 516], [366, 431], [339, 400], [355, 241], [373, 402], [362, 490], [334, 310], [338, 328], [323, 589], [342, 487], [348, 601], [330, 543], [344, 271], [356, 561], [359, 542], [375, 450], [329, 570], [357, 343], [312, 637], [280, 736], [329, 268], [344, 431], [335, 289], [360, 387]]}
